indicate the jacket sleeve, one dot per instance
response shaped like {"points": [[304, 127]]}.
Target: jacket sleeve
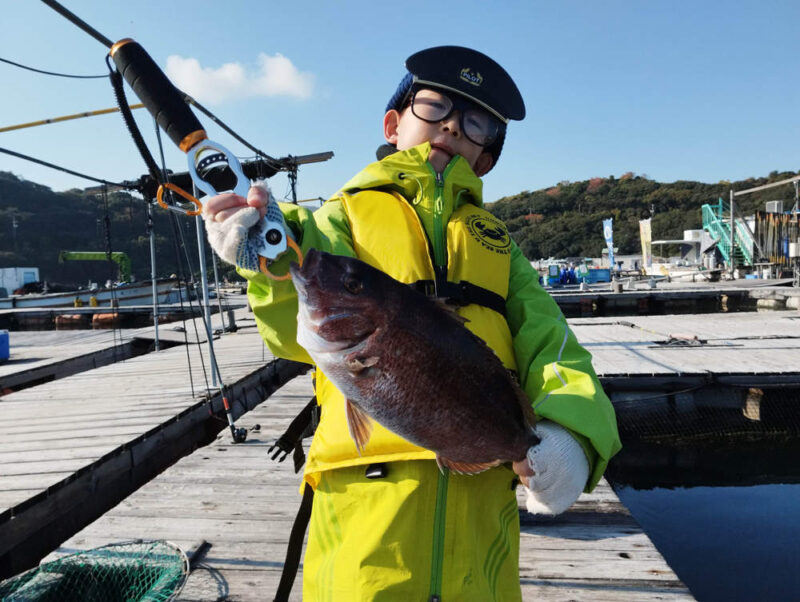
{"points": [[555, 371], [274, 302]]}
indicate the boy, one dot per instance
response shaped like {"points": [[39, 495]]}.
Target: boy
{"points": [[386, 524]]}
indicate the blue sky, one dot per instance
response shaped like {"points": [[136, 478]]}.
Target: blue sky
{"points": [[674, 90]]}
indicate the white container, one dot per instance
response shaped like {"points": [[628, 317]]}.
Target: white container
{"points": [[13, 278]]}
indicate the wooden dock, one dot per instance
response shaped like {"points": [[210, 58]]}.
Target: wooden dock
{"points": [[243, 504], [730, 348], [640, 298], [82, 437], [73, 448], [42, 356]]}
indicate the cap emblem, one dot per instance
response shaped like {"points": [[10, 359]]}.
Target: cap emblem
{"points": [[474, 78]]}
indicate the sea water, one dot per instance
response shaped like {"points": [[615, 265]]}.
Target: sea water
{"points": [[726, 543], [714, 481]]}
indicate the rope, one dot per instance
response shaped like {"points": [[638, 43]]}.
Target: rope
{"points": [[21, 66], [177, 235], [116, 333], [122, 102]]}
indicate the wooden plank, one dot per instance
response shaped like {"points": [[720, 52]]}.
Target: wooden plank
{"points": [[740, 343], [89, 410], [234, 497]]}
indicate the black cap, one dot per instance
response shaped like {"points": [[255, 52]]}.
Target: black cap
{"points": [[471, 74]]}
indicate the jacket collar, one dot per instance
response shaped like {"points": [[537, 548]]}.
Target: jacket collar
{"points": [[409, 173]]}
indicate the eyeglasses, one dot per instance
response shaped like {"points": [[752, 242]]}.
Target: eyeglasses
{"points": [[478, 126]]}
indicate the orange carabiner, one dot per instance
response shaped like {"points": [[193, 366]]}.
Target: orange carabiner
{"points": [[183, 193], [262, 261]]}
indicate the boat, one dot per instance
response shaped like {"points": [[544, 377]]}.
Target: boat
{"points": [[124, 294]]}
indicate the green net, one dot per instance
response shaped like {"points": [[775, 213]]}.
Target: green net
{"points": [[133, 571]]}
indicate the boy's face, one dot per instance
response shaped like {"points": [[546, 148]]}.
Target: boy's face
{"points": [[406, 130]]}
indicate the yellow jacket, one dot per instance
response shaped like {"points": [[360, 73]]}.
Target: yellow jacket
{"points": [[400, 216]]}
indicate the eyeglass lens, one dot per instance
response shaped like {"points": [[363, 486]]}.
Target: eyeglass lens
{"points": [[478, 125]]}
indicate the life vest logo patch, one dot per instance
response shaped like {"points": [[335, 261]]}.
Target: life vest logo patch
{"points": [[476, 79], [490, 233]]}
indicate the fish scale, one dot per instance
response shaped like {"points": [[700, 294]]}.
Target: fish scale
{"points": [[403, 360]]}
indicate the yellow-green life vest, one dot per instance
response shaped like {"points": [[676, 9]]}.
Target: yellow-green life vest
{"points": [[387, 234]]}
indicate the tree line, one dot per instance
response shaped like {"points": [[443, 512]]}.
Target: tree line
{"points": [[565, 220], [37, 223], [561, 221]]}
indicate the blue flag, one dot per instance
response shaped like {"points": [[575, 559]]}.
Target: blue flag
{"points": [[608, 234]]}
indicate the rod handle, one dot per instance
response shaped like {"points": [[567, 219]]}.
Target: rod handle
{"points": [[157, 93]]}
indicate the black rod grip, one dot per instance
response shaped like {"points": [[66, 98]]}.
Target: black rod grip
{"points": [[157, 93]]}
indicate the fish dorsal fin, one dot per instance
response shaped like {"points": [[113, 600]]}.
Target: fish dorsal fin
{"points": [[358, 423], [466, 467]]}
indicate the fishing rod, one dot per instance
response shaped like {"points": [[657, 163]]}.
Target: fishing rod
{"points": [[30, 124], [213, 168]]}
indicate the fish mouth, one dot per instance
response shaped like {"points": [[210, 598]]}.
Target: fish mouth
{"points": [[312, 341], [302, 274], [328, 319], [324, 325], [317, 317]]}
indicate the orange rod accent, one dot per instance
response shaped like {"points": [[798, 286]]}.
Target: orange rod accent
{"points": [[119, 44], [191, 139]]}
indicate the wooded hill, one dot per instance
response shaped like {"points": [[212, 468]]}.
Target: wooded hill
{"points": [[566, 220], [49, 222], [562, 221]]}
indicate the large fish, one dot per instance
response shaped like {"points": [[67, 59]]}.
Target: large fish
{"points": [[403, 360]]}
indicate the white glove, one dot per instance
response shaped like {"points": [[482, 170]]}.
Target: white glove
{"points": [[561, 470], [236, 239]]}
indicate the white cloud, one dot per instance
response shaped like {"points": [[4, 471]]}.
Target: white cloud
{"points": [[274, 76]]}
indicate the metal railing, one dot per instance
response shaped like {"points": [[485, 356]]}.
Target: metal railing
{"points": [[718, 226]]}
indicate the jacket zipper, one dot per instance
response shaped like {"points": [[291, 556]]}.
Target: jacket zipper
{"points": [[440, 272], [438, 536], [439, 242]]}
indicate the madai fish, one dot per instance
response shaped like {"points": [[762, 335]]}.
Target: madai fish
{"points": [[403, 360]]}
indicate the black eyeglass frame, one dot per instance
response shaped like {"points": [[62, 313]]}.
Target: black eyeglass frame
{"points": [[462, 105]]}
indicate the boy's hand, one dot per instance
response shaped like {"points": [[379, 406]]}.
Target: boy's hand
{"points": [[557, 470], [235, 225], [219, 208]]}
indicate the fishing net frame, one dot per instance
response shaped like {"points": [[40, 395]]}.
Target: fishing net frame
{"points": [[137, 570]]}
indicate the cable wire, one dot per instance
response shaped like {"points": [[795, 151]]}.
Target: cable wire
{"points": [[272, 162], [21, 66], [127, 186]]}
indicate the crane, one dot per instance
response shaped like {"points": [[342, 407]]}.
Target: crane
{"points": [[121, 259]]}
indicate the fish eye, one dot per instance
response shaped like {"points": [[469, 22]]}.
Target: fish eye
{"points": [[352, 284]]}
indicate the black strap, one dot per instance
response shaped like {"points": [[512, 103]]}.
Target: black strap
{"points": [[292, 562], [461, 293], [303, 425]]}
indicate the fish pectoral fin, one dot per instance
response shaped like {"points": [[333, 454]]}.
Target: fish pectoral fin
{"points": [[358, 363], [358, 423], [466, 467]]}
